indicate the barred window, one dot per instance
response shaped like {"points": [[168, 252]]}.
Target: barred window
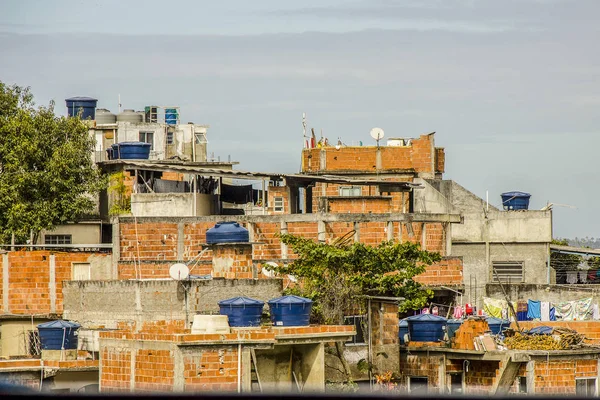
{"points": [[57, 239], [278, 203], [349, 191]]}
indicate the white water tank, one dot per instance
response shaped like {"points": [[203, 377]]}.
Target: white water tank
{"points": [[210, 324]]}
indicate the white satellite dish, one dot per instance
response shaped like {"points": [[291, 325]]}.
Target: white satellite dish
{"points": [[377, 134], [268, 273], [179, 271], [293, 279]]}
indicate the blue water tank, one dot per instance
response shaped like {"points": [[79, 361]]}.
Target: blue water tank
{"points": [[131, 151], [56, 335], [242, 311], [171, 116], [497, 325], [426, 328], [402, 330], [515, 200], [87, 104], [453, 325], [290, 311], [227, 232]]}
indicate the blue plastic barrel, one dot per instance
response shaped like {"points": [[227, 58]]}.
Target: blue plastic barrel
{"points": [[242, 311], [402, 330], [86, 104], [227, 232], [497, 325], [131, 150], [58, 335], [426, 328], [515, 200], [290, 311], [453, 325]]}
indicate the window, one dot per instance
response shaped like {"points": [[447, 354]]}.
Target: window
{"points": [[507, 271], [359, 322], [418, 385], [350, 191], [200, 138], [33, 343], [169, 137], [57, 239], [585, 387], [147, 137], [81, 271], [278, 203]]}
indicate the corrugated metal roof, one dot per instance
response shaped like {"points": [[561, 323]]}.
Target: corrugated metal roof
{"points": [[190, 168]]}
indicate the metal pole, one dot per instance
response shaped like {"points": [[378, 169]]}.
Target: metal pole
{"points": [[264, 200]]}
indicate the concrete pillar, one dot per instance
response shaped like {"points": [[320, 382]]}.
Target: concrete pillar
{"points": [[357, 232], [138, 305], [116, 248], [400, 238], [390, 230], [246, 370], [313, 368], [132, 371], [321, 231], [251, 226], [322, 160], [424, 236], [284, 248], [5, 285], [181, 241], [378, 163], [52, 283], [178, 368], [448, 237], [530, 373], [442, 377]]}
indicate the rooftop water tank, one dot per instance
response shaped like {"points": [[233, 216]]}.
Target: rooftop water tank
{"points": [[227, 232], [453, 325], [242, 311], [86, 104], [426, 328], [104, 116], [171, 116], [210, 324], [131, 151], [515, 200], [130, 116], [290, 311], [402, 330], [497, 325], [58, 335]]}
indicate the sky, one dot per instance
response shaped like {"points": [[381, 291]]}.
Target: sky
{"points": [[511, 88]]}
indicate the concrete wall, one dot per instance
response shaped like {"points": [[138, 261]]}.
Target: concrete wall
{"points": [[82, 233], [541, 292], [14, 336], [74, 381], [94, 303], [168, 204]]}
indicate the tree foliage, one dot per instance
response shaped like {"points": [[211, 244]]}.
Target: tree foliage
{"points": [[47, 176], [336, 276]]}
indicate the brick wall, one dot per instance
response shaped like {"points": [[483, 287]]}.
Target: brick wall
{"points": [[440, 160], [446, 272], [116, 370], [591, 329], [419, 366], [467, 332], [154, 370], [418, 157], [278, 191], [211, 370], [29, 279], [384, 323], [359, 205], [559, 376]]}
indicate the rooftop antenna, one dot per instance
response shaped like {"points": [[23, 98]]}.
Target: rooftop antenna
{"points": [[377, 134]]}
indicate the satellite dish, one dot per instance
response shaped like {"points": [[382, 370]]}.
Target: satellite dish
{"points": [[179, 271], [268, 273], [292, 278], [377, 134]]}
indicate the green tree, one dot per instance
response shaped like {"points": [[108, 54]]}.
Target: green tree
{"points": [[338, 276], [47, 176]]}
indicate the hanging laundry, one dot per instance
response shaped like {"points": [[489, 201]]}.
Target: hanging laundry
{"points": [[572, 277], [595, 312], [552, 314], [534, 309], [493, 307], [458, 312], [545, 311], [435, 310], [577, 310]]}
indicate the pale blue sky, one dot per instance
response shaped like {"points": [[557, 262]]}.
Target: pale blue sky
{"points": [[511, 87]]}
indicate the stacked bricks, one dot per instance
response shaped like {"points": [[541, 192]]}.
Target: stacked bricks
{"points": [[446, 272], [29, 279], [467, 332]]}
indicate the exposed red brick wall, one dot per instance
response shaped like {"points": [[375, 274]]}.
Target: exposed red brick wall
{"points": [[416, 365], [559, 376], [240, 257], [154, 370], [29, 279], [195, 235], [467, 332], [116, 370], [384, 323], [211, 370], [446, 272], [417, 156], [591, 329], [440, 160], [359, 205], [148, 241], [480, 378], [278, 191]]}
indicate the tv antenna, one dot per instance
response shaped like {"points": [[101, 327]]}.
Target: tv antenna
{"points": [[179, 271], [377, 134]]}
